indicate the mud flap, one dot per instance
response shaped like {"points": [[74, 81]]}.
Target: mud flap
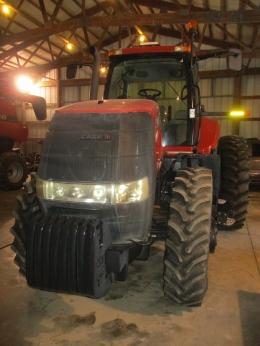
{"points": [[67, 254]]}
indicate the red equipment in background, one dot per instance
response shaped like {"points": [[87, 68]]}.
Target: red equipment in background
{"points": [[13, 168]]}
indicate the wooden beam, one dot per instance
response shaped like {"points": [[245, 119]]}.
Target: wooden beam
{"points": [[227, 73], [18, 48], [255, 53], [174, 34], [250, 4], [205, 40], [26, 28], [27, 42], [251, 97], [11, 21], [79, 57], [33, 53], [203, 75], [43, 11], [234, 37], [56, 10], [166, 5], [129, 20]]}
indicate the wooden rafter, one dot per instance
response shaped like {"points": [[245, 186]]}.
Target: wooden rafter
{"points": [[127, 15], [79, 57], [19, 24], [126, 19], [166, 5], [33, 53], [43, 11], [27, 43], [56, 10], [6, 30], [234, 37], [206, 6], [223, 7], [242, 6]]}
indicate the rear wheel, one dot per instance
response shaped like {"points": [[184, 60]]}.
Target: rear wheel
{"points": [[187, 243], [234, 187], [13, 170], [27, 207]]}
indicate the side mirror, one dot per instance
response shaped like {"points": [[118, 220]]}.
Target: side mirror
{"points": [[71, 71], [39, 107], [234, 60]]}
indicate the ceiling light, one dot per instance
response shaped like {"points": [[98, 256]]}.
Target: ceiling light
{"points": [[141, 38], [6, 10], [103, 70], [69, 46], [24, 84]]}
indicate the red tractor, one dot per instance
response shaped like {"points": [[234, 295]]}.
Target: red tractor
{"points": [[13, 167], [115, 175]]}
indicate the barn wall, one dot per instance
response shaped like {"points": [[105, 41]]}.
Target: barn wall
{"points": [[38, 129], [216, 95]]}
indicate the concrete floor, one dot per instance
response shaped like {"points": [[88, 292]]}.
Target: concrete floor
{"points": [[135, 312]]}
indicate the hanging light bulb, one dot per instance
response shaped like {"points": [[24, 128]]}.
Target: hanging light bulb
{"points": [[70, 46], [141, 38], [6, 10]]}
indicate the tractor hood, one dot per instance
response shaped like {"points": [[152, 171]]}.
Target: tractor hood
{"points": [[101, 156], [101, 141], [112, 106]]}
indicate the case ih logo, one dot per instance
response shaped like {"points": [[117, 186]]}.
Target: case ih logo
{"points": [[96, 137]]}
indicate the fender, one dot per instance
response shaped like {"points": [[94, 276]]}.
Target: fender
{"points": [[208, 136]]}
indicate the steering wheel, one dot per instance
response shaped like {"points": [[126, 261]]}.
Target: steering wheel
{"points": [[150, 94]]}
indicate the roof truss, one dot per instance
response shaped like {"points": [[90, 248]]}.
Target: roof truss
{"points": [[107, 22]]}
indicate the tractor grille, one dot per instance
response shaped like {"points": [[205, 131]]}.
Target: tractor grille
{"points": [[98, 147], [67, 254]]}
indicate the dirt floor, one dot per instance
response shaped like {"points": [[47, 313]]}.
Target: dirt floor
{"points": [[135, 312]]}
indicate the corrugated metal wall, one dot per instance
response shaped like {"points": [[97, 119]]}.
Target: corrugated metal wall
{"points": [[37, 129], [71, 94], [216, 95]]}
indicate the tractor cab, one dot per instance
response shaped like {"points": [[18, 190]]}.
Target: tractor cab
{"points": [[164, 74]]}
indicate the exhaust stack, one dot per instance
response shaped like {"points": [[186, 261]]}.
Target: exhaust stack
{"points": [[95, 73]]}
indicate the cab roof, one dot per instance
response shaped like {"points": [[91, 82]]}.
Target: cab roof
{"points": [[146, 49]]}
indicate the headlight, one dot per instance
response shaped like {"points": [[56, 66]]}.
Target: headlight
{"points": [[131, 192]]}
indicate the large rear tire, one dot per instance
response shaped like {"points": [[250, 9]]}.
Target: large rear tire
{"points": [[234, 186], [27, 207], [13, 170], [187, 243]]}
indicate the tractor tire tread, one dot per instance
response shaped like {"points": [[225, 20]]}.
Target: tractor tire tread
{"points": [[187, 245]]}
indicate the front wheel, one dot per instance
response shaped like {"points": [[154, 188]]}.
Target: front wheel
{"points": [[27, 208], [187, 244]]}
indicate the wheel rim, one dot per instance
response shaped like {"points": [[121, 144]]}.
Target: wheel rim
{"points": [[230, 221], [15, 172]]}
